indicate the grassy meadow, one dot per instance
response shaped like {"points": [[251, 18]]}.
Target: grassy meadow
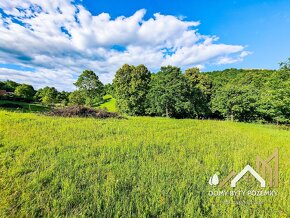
{"points": [[109, 104], [134, 167]]}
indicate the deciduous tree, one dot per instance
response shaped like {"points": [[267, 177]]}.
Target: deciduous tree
{"points": [[25, 91], [131, 86], [169, 94], [90, 85]]}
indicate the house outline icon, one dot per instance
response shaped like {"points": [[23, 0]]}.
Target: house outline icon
{"points": [[249, 169]]}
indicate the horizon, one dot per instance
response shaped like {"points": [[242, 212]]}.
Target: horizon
{"points": [[59, 40]]}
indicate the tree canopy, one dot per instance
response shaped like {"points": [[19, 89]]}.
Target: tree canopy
{"points": [[131, 86], [92, 88], [46, 95], [25, 91], [169, 94]]}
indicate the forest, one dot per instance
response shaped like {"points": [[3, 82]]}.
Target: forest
{"points": [[246, 95]]}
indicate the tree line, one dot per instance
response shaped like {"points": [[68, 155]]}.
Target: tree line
{"points": [[90, 91], [234, 94], [26, 93]]}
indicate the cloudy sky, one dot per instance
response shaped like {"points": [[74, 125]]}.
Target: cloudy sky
{"points": [[49, 43]]}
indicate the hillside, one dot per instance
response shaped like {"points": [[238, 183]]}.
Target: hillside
{"points": [[139, 166], [251, 95], [109, 104]]}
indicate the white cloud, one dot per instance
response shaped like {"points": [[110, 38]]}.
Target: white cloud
{"points": [[59, 79], [59, 39], [232, 59]]}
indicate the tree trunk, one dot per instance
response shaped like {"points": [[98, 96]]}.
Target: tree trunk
{"points": [[166, 111], [232, 116]]}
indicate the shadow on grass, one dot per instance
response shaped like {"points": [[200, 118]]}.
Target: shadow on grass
{"points": [[22, 107]]}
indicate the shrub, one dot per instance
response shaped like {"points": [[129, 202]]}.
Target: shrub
{"points": [[82, 111]]}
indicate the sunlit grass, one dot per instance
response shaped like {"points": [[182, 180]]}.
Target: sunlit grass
{"points": [[110, 103], [141, 166]]}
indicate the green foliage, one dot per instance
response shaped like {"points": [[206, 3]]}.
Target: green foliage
{"points": [[135, 167], [121, 84], [108, 89], [169, 94], [89, 84], [77, 97], [130, 89], [63, 97], [2, 85], [9, 85], [274, 104], [25, 91], [46, 95], [200, 93], [236, 102], [251, 95]]}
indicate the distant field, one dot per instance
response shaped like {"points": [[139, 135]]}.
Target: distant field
{"points": [[22, 106], [140, 167], [110, 103]]}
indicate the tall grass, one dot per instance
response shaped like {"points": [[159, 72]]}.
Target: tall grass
{"points": [[138, 167]]}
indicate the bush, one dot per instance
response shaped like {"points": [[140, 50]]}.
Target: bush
{"points": [[82, 111]]}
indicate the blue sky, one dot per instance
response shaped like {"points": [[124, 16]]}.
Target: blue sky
{"points": [[49, 43], [263, 26]]}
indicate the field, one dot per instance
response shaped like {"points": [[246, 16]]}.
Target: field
{"points": [[110, 103], [22, 106], [135, 167]]}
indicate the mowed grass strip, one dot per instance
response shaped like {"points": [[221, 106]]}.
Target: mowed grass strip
{"points": [[135, 167]]}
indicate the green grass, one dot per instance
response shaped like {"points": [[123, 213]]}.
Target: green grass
{"points": [[110, 103], [22, 106], [140, 167]]}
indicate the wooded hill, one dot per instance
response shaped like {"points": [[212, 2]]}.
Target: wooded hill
{"points": [[233, 94], [251, 95]]}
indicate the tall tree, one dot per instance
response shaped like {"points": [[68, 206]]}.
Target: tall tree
{"points": [[139, 86], [121, 85], [77, 97], [46, 95], [274, 104], [63, 97], [9, 85], [108, 89], [200, 92], [25, 91], [131, 86], [2, 85], [169, 94], [89, 83], [236, 102]]}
